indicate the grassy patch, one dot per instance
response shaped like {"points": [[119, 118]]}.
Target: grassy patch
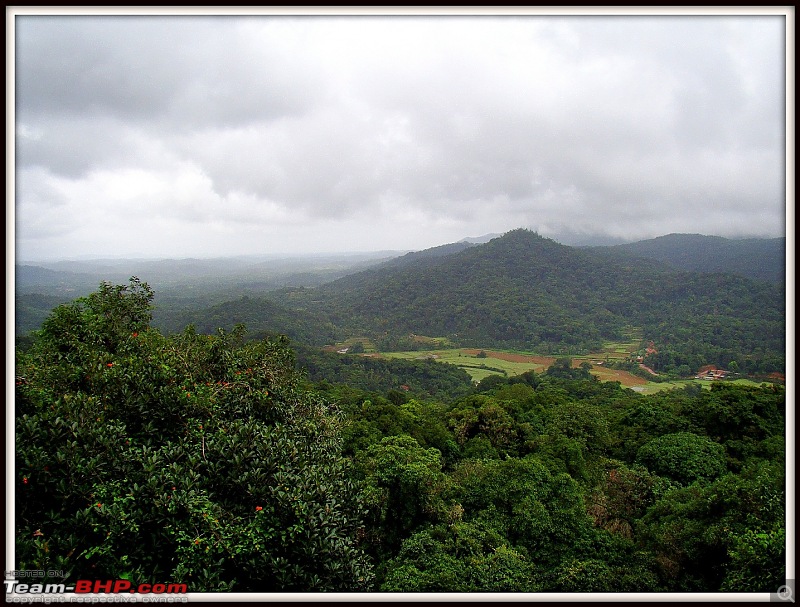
{"points": [[366, 342], [509, 363], [432, 342], [653, 387]]}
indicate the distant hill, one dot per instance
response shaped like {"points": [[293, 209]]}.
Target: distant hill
{"points": [[183, 287], [226, 271], [529, 292], [758, 259], [262, 318], [38, 279], [32, 309], [519, 291]]}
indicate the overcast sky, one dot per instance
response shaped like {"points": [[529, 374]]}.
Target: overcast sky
{"points": [[189, 136]]}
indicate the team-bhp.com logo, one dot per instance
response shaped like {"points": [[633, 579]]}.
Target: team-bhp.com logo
{"points": [[149, 592]]}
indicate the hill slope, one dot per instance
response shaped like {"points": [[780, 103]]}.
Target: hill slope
{"points": [[755, 258], [262, 318], [520, 291], [529, 292]]}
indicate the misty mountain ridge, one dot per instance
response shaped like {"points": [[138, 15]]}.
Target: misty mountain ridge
{"points": [[519, 291], [481, 239], [525, 291], [755, 258]]}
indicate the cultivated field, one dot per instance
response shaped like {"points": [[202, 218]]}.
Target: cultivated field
{"points": [[514, 363], [482, 363]]}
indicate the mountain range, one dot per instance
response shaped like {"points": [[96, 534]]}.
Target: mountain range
{"points": [[699, 298], [525, 291], [759, 259]]}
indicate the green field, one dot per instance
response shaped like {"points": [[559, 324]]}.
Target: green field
{"points": [[653, 387], [510, 363], [478, 368]]}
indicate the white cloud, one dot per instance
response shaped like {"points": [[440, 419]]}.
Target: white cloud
{"points": [[445, 127]]}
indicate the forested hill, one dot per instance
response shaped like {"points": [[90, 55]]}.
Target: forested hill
{"points": [[210, 463], [261, 317], [428, 255], [756, 258], [516, 291], [526, 291]]}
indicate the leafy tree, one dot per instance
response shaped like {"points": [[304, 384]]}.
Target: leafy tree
{"points": [[626, 571], [758, 561], [404, 484], [539, 512], [731, 412], [642, 423], [726, 535], [582, 422], [683, 457], [481, 416], [459, 557], [194, 458], [623, 497]]}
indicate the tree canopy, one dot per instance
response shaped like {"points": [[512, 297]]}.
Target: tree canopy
{"points": [[193, 458], [218, 461]]}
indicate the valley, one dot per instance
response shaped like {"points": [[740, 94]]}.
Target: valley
{"points": [[514, 416], [480, 364], [518, 292], [359, 305]]}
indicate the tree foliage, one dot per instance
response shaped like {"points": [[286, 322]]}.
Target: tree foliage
{"points": [[226, 463], [193, 458], [683, 457]]}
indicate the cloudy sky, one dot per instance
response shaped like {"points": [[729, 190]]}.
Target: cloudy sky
{"points": [[189, 136]]}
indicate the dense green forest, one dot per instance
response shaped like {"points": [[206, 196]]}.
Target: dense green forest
{"points": [[519, 291], [527, 292], [755, 258], [236, 464], [425, 378]]}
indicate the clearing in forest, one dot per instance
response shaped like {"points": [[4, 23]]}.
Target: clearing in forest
{"points": [[508, 363]]}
